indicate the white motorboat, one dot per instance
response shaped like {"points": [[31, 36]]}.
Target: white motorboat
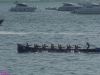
{"points": [[51, 8], [22, 7], [68, 7], [88, 8]]}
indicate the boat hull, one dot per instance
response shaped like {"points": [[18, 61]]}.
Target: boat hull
{"points": [[23, 9], [86, 10], [1, 21], [23, 49], [67, 8]]}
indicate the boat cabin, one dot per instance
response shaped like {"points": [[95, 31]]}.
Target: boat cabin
{"points": [[67, 4], [21, 5]]}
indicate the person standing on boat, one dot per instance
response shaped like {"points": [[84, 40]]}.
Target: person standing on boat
{"points": [[88, 45]]}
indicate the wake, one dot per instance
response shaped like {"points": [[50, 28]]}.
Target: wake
{"points": [[50, 33]]}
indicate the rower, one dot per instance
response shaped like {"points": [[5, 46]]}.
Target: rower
{"points": [[27, 45], [36, 46], [52, 46], [76, 48], [59, 46], [88, 45], [69, 48], [44, 46]]}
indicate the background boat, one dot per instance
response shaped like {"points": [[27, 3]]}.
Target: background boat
{"points": [[68, 7], [22, 7], [51, 8], [88, 8]]}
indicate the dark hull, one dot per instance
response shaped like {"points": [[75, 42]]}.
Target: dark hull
{"points": [[1, 21], [23, 49]]}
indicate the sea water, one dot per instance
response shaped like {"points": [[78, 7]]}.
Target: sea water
{"points": [[48, 27]]}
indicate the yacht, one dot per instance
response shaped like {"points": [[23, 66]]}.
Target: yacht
{"points": [[22, 7], [68, 7], [88, 8], [87, 3]]}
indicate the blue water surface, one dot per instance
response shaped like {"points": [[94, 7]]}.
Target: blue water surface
{"points": [[48, 26]]}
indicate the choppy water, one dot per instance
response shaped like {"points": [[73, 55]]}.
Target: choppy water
{"points": [[44, 26]]}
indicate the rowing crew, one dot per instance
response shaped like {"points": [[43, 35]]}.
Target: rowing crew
{"points": [[44, 46]]}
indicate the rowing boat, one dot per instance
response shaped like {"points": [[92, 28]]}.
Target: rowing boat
{"points": [[24, 48], [1, 21]]}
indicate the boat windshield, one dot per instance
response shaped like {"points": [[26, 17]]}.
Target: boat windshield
{"points": [[67, 4], [22, 5]]}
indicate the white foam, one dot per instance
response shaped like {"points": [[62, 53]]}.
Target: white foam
{"points": [[60, 33], [52, 33], [5, 32], [66, 33]]}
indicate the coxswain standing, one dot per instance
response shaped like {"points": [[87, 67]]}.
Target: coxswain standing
{"points": [[88, 45]]}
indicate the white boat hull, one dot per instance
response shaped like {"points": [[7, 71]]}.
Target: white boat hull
{"points": [[23, 9], [67, 8]]}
